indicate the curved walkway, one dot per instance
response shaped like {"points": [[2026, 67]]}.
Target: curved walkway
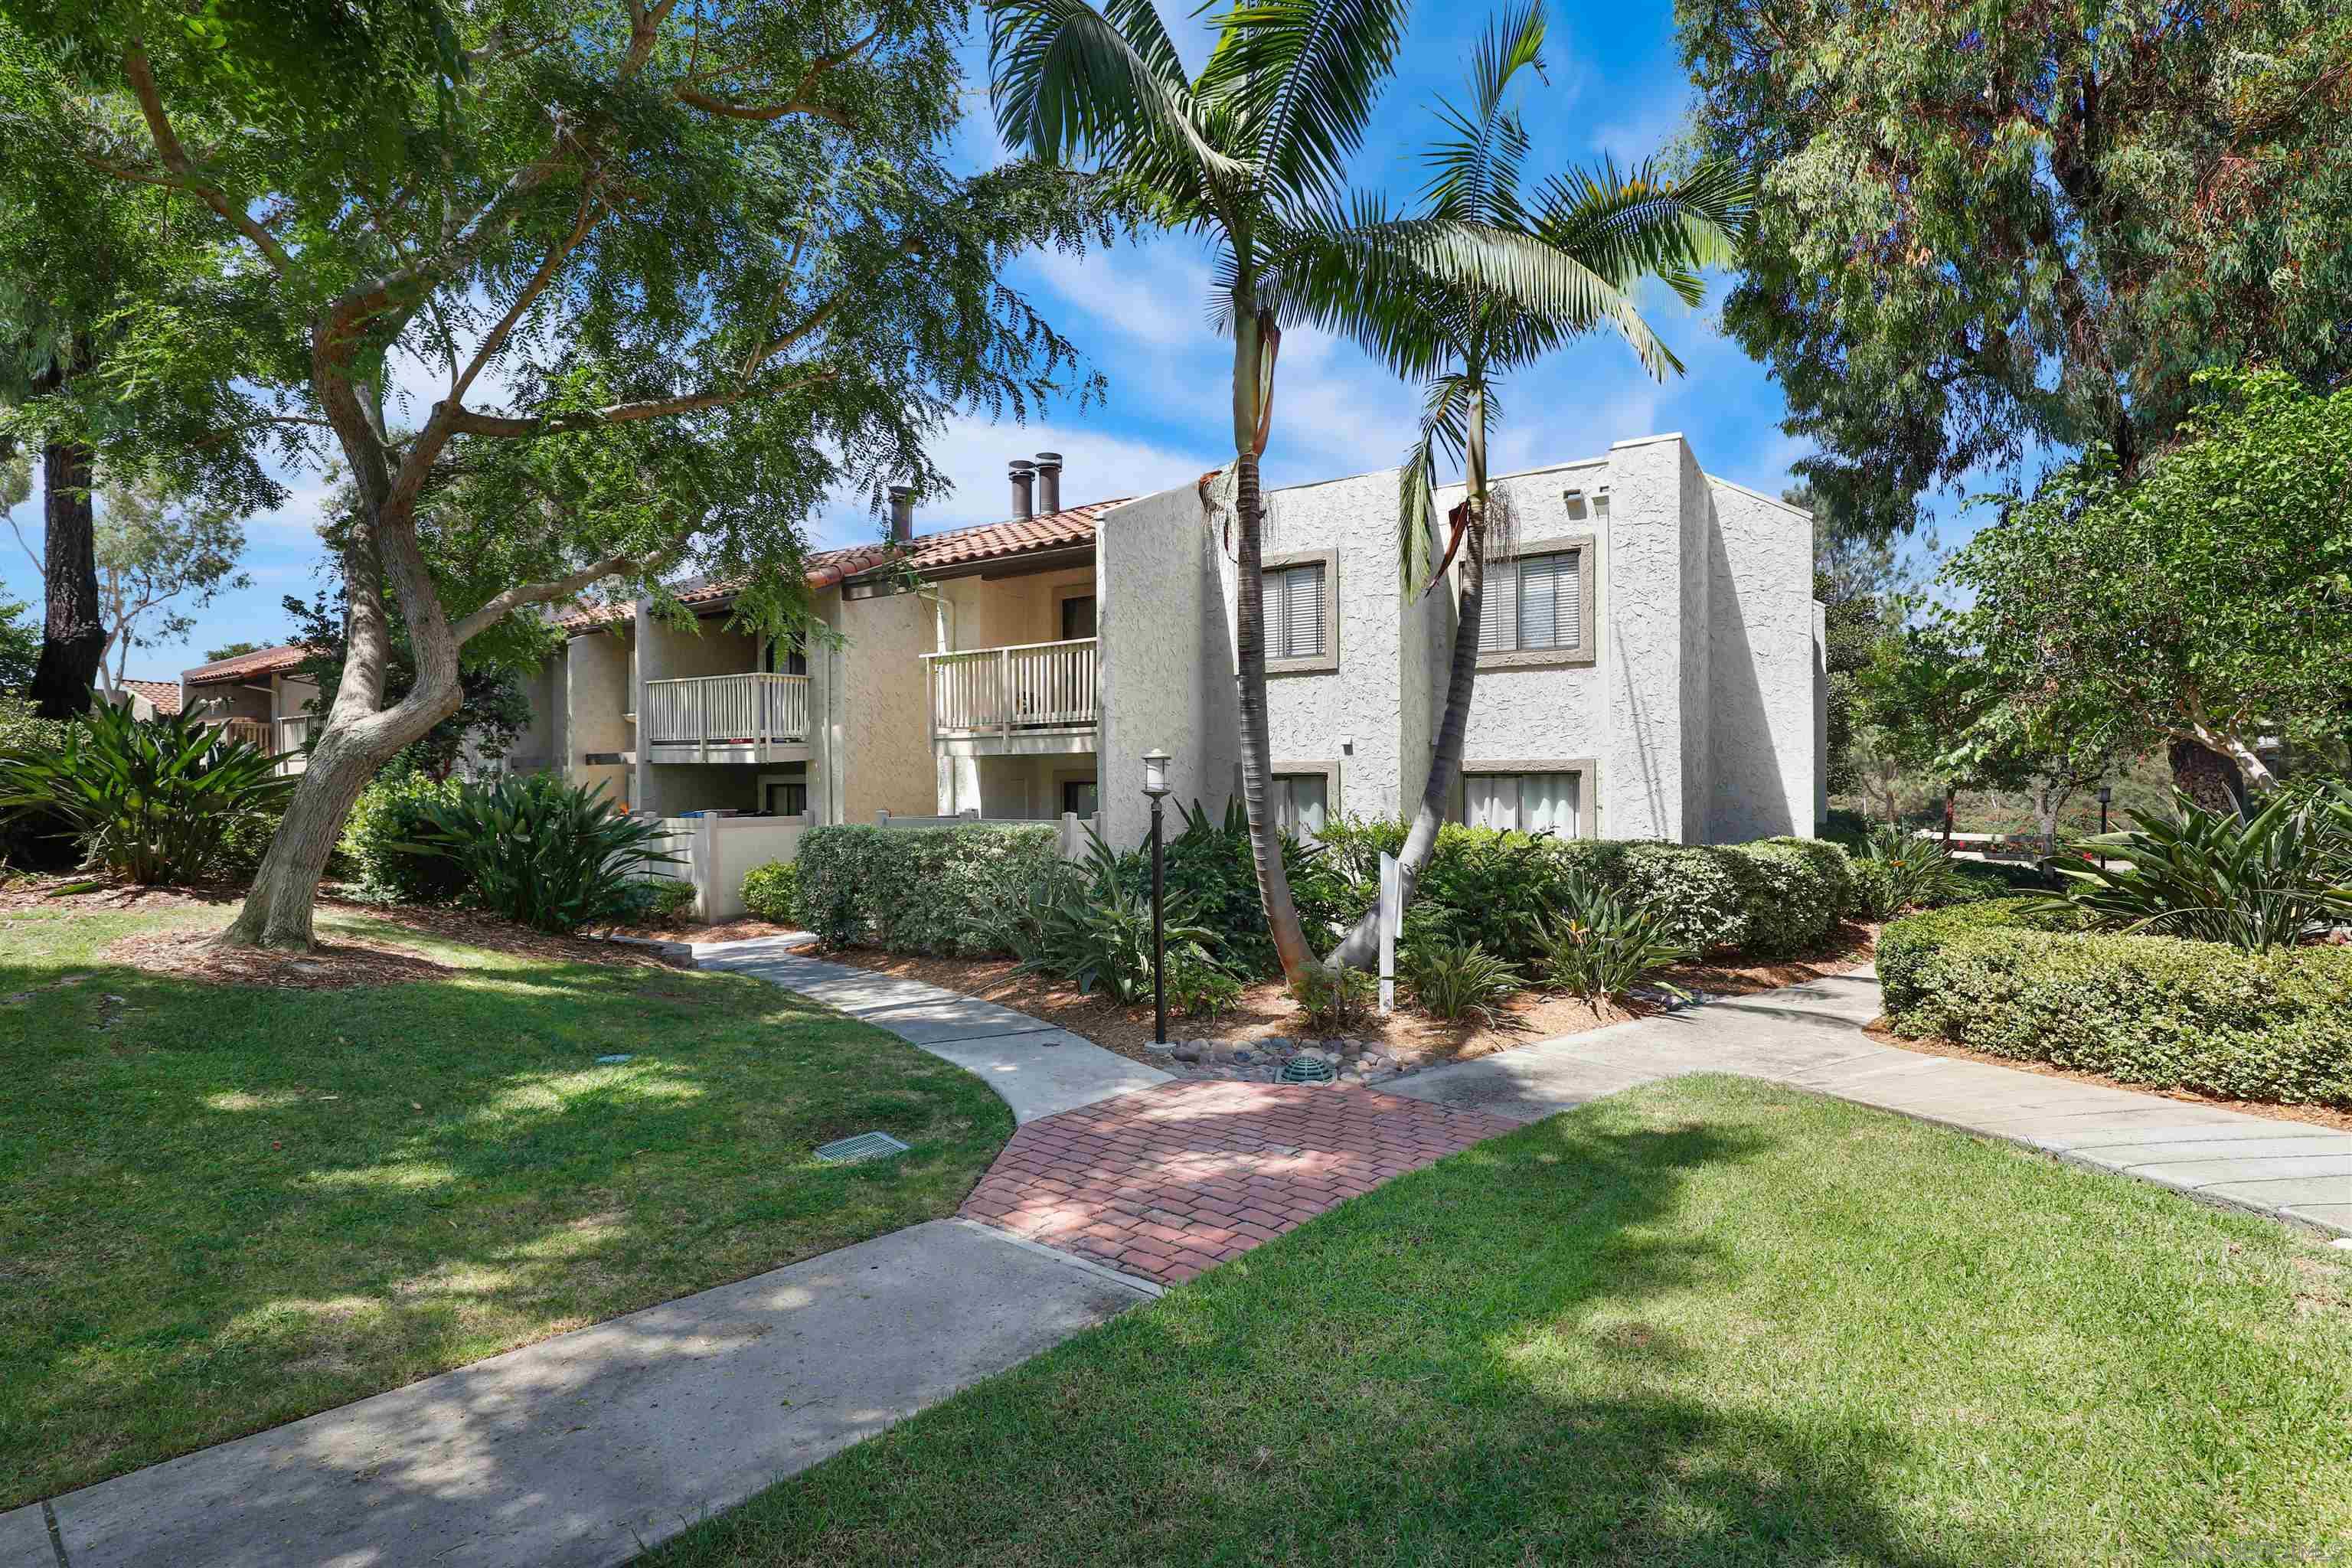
{"points": [[1037, 1068]]}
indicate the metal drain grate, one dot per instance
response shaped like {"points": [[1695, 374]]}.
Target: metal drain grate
{"points": [[1307, 1069], [865, 1146]]}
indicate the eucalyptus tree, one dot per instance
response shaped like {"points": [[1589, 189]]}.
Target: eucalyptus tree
{"points": [[1616, 227], [1252, 155], [664, 275]]}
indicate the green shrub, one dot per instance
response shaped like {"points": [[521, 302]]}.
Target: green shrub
{"points": [[553, 856], [2211, 876], [1197, 987], [152, 800], [1086, 926], [772, 892], [1848, 830], [1458, 982], [1598, 944], [953, 891], [663, 904], [1898, 869], [1334, 1001], [2170, 1013], [1210, 866], [388, 815]]}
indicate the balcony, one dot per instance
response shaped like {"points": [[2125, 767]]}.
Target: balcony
{"points": [[1032, 699], [275, 736], [755, 718]]}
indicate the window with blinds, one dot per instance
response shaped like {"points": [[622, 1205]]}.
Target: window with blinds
{"points": [[1294, 611], [1533, 601], [1301, 803]]}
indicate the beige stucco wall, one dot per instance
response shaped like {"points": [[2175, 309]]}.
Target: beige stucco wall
{"points": [[1001, 612], [1163, 587], [598, 696], [876, 721], [1645, 632]]}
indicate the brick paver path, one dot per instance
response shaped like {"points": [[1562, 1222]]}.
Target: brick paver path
{"points": [[1175, 1180]]}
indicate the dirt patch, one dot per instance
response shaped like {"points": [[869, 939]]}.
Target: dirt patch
{"points": [[476, 928], [85, 894], [2314, 1115], [726, 931], [1413, 1038], [330, 966]]}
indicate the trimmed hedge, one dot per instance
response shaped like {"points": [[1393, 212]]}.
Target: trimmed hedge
{"points": [[2151, 1010], [943, 891], [772, 892]]}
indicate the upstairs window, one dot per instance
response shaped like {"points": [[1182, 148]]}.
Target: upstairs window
{"points": [[786, 657], [1533, 602], [1295, 600], [1077, 617]]}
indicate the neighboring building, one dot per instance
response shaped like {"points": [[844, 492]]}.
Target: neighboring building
{"points": [[145, 699], [260, 697]]}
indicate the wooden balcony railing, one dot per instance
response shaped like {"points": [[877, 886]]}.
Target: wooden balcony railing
{"points": [[758, 708], [1001, 690]]}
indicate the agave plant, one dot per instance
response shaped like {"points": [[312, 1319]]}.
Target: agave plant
{"points": [[1088, 925], [1597, 943], [1459, 982], [553, 856], [153, 800], [2212, 875]]}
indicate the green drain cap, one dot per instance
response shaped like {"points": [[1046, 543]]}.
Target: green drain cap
{"points": [[1307, 1069]]}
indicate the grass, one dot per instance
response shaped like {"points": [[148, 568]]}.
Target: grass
{"points": [[222, 1208], [1708, 1323]]}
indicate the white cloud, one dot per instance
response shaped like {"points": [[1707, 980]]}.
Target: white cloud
{"points": [[1151, 294]]}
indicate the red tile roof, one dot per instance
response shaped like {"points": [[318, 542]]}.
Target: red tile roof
{"points": [[1065, 530], [260, 661], [163, 694]]}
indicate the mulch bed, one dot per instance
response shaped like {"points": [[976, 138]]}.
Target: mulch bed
{"points": [[2316, 1115], [199, 955], [1266, 1009]]}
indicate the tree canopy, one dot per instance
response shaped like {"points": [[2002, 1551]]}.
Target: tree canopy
{"points": [[659, 278], [1988, 227], [2209, 599]]}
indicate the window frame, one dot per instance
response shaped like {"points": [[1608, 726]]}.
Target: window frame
{"points": [[1588, 803], [1326, 768], [1581, 652], [1328, 660]]}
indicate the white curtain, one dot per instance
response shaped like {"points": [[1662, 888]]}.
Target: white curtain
{"points": [[1301, 803], [1523, 803]]}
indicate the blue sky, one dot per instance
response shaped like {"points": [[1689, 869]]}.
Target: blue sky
{"points": [[1139, 313]]}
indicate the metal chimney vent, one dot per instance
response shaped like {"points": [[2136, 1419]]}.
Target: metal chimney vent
{"points": [[1049, 482], [1024, 476]]}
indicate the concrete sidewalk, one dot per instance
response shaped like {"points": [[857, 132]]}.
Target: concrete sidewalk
{"points": [[1809, 1037], [583, 1450], [1037, 1068]]}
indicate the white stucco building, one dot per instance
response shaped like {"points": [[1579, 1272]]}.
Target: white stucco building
{"points": [[1651, 666]]}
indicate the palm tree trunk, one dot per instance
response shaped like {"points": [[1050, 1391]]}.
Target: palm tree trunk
{"points": [[1256, 749], [1361, 945]]}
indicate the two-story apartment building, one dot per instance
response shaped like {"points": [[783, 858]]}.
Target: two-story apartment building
{"points": [[261, 697], [1650, 666]]}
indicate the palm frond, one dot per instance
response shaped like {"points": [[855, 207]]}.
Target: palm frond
{"points": [[1068, 80], [1445, 405], [1475, 173], [1302, 75], [1626, 225]]}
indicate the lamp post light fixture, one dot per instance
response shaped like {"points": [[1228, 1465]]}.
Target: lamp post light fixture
{"points": [[2106, 794], [1155, 785]]}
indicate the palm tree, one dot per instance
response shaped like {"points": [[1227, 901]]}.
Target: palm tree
{"points": [[1464, 340], [1252, 154]]}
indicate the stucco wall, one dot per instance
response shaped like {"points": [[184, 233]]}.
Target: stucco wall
{"points": [[1545, 712], [597, 697], [880, 725], [541, 744], [1820, 714], [1166, 669], [1645, 628], [1762, 674], [1352, 714]]}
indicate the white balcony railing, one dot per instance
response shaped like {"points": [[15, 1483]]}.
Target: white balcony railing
{"points": [[753, 709], [1001, 690]]}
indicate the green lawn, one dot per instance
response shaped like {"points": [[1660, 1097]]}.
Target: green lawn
{"points": [[1710, 1323], [222, 1208]]}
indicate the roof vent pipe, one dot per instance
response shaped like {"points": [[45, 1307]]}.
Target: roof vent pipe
{"points": [[1024, 476], [1049, 482], [902, 513]]}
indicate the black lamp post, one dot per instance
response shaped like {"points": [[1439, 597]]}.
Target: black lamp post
{"points": [[1155, 785], [2106, 794]]}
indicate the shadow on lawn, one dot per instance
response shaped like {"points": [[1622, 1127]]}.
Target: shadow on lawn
{"points": [[1456, 1370], [241, 1205]]}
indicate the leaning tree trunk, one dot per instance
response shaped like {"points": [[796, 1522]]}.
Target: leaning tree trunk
{"points": [[73, 627], [1360, 948], [2205, 776], [1256, 749]]}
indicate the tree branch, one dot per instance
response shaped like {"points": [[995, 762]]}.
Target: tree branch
{"points": [[503, 604], [175, 158], [466, 422]]}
